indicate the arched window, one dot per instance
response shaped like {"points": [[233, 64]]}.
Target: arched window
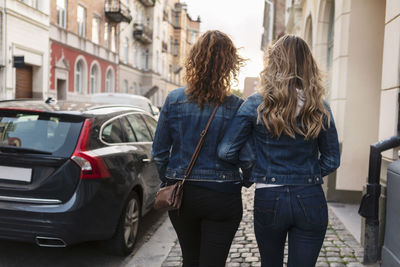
{"points": [[80, 76], [95, 79], [110, 81], [126, 50]]}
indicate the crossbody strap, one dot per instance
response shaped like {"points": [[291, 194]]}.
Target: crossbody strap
{"points": [[199, 145]]}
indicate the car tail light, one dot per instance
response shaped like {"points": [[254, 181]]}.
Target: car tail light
{"points": [[92, 166]]}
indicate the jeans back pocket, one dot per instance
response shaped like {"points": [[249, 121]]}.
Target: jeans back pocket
{"points": [[314, 208], [265, 211]]}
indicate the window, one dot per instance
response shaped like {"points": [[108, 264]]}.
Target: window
{"points": [[106, 35], [126, 50], [109, 81], [112, 133], [139, 127], [176, 19], [94, 79], [193, 36], [125, 86], [135, 89], [96, 29], [170, 44], [81, 19], [151, 124], [147, 59], [80, 71], [113, 38], [130, 135], [157, 59], [62, 13], [134, 60], [176, 48], [170, 73], [140, 59]]}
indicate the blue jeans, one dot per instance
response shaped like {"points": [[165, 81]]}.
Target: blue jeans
{"points": [[297, 211]]}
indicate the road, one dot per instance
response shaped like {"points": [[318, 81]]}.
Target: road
{"points": [[86, 254]]}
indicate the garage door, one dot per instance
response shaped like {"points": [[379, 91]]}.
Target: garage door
{"points": [[23, 82]]}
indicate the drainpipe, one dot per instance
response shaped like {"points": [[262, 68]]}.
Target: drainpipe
{"points": [[271, 19], [3, 17]]}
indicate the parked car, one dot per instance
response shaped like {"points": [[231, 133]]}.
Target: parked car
{"points": [[127, 99], [74, 172]]}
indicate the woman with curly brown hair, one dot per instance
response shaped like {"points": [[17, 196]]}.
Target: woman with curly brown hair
{"points": [[212, 207], [296, 145]]}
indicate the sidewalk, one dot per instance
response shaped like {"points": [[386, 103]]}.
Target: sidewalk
{"points": [[339, 248]]}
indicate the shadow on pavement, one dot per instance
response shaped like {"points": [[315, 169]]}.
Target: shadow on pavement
{"points": [[85, 254]]}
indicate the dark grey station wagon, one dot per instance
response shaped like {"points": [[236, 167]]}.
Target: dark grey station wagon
{"points": [[74, 172]]}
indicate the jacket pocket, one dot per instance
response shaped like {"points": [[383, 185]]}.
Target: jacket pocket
{"points": [[265, 212], [314, 208]]}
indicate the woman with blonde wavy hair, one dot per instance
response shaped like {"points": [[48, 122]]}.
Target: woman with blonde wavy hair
{"points": [[296, 145], [212, 207]]}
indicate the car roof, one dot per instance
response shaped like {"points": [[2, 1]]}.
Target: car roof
{"points": [[66, 107]]}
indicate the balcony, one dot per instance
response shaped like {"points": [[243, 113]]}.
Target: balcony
{"points": [[148, 3], [164, 47], [142, 33], [117, 11]]}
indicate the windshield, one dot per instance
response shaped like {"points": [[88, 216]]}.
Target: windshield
{"points": [[38, 132]]}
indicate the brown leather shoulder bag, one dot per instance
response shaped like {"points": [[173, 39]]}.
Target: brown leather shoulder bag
{"points": [[170, 197]]}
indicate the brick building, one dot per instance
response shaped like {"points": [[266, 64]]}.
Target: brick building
{"points": [[84, 46]]}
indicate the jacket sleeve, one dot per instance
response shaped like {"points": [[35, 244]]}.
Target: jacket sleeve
{"points": [[233, 147], [162, 143], [328, 145]]}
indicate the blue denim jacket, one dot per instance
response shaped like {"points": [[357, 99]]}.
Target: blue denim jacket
{"points": [[285, 160], [178, 132]]}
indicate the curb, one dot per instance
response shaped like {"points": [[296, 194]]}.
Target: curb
{"points": [[155, 251]]}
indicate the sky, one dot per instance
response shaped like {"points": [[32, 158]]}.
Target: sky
{"points": [[241, 20]]}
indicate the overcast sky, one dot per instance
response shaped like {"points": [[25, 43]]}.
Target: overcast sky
{"points": [[241, 20]]}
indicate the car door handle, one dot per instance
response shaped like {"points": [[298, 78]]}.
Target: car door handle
{"points": [[146, 160]]}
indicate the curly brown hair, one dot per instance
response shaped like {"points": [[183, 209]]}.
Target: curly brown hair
{"points": [[213, 62]]}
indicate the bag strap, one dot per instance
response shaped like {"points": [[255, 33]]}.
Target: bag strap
{"points": [[199, 146]]}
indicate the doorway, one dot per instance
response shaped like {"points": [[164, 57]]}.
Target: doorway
{"points": [[61, 89], [23, 87]]}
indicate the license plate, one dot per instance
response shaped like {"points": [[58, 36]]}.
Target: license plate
{"points": [[16, 174]]}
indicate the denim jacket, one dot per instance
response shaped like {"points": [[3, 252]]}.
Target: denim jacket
{"points": [[284, 160], [178, 132]]}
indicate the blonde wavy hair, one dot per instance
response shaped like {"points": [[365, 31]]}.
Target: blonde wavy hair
{"points": [[290, 66], [213, 62]]}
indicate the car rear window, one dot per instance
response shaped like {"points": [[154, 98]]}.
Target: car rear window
{"points": [[41, 132]]}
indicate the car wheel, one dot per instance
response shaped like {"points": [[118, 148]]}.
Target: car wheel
{"points": [[124, 239]]}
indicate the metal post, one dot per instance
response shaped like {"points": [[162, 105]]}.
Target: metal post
{"points": [[369, 207]]}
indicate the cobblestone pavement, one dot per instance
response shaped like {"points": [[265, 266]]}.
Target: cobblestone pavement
{"points": [[339, 248]]}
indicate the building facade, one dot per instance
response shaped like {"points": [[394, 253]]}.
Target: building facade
{"points": [[357, 45], [250, 86], [153, 46], [84, 44], [24, 48]]}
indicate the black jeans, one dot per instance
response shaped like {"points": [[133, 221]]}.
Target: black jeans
{"points": [[206, 225]]}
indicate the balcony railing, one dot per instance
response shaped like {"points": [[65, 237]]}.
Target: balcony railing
{"points": [[142, 33], [164, 47], [148, 3], [116, 11]]}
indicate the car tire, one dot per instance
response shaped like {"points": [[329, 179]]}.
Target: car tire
{"points": [[125, 236]]}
